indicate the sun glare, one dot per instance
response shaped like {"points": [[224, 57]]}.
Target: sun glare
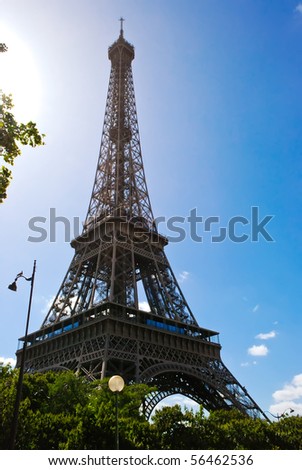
{"points": [[19, 76]]}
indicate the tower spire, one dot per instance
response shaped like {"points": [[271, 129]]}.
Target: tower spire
{"points": [[121, 30]]}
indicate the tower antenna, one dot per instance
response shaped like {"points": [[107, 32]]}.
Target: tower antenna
{"points": [[122, 21]]}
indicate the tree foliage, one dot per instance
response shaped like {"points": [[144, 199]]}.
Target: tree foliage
{"points": [[60, 410], [12, 135]]}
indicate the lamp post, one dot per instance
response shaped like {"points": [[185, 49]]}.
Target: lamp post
{"points": [[278, 417], [116, 384], [13, 287]]}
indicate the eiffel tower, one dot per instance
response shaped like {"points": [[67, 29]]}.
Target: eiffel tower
{"points": [[95, 324]]}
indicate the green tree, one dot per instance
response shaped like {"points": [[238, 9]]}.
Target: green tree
{"points": [[8, 382], [179, 429], [98, 419], [12, 135], [230, 429], [48, 410], [61, 410], [287, 433]]}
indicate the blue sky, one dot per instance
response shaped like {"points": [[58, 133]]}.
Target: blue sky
{"points": [[218, 92]]}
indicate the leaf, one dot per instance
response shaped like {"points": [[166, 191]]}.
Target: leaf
{"points": [[11, 135]]}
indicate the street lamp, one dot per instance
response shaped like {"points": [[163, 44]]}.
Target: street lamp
{"points": [[116, 384], [13, 287], [278, 417]]}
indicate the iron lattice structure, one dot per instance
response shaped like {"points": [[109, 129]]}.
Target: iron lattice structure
{"points": [[95, 324]]}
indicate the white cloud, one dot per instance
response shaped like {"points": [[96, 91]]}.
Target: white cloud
{"points": [[255, 308], [260, 350], [178, 399], [144, 306], [7, 360], [271, 334], [247, 364], [289, 397], [44, 303], [286, 408], [48, 304], [299, 8], [183, 276], [291, 391]]}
